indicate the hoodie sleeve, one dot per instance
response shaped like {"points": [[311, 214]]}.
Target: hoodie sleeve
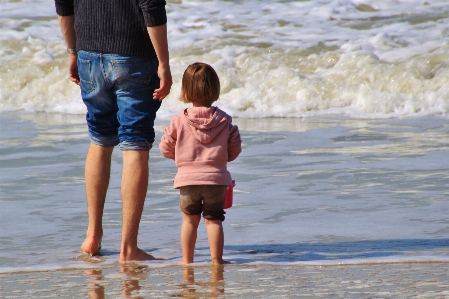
{"points": [[234, 143], [168, 141]]}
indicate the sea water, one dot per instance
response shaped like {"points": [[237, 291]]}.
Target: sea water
{"points": [[342, 106]]}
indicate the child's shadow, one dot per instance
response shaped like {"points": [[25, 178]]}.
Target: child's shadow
{"points": [[309, 252]]}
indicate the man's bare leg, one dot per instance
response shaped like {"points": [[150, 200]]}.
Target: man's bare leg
{"points": [[97, 173], [189, 232], [134, 189]]}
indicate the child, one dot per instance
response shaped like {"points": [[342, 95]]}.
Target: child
{"points": [[201, 140]]}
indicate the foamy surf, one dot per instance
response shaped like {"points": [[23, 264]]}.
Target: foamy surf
{"points": [[276, 59]]}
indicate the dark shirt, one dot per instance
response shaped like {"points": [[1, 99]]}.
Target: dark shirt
{"points": [[114, 26]]}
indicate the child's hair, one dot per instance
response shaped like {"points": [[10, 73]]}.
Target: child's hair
{"points": [[200, 83]]}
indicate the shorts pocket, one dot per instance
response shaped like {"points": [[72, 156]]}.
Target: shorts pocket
{"points": [[133, 73], [85, 73]]}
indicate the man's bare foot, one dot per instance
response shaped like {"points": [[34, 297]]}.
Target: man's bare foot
{"points": [[135, 256], [91, 245]]}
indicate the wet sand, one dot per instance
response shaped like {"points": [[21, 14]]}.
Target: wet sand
{"points": [[395, 280]]}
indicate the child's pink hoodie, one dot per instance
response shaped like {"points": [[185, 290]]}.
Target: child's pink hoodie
{"points": [[201, 140]]}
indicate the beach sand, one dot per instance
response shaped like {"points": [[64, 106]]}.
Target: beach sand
{"points": [[395, 280]]}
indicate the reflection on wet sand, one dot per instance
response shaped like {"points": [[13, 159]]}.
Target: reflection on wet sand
{"points": [[96, 288], [130, 281], [200, 288], [383, 280], [134, 274], [138, 281]]}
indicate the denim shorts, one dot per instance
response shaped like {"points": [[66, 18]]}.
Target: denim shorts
{"points": [[118, 93], [206, 199]]}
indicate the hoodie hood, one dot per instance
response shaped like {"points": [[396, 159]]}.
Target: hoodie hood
{"points": [[205, 123]]}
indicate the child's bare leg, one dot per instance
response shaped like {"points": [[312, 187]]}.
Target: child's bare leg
{"points": [[188, 236], [215, 237], [217, 280], [188, 277]]}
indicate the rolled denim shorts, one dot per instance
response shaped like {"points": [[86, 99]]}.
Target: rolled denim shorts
{"points": [[118, 93]]}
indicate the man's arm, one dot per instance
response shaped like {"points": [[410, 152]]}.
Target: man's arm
{"points": [[67, 24], [158, 36]]}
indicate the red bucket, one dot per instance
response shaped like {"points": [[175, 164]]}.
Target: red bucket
{"points": [[228, 196]]}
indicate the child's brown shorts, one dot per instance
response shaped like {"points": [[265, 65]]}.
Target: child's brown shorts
{"points": [[206, 199]]}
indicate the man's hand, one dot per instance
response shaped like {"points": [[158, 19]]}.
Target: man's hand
{"points": [[67, 25], [73, 69], [164, 74], [158, 36]]}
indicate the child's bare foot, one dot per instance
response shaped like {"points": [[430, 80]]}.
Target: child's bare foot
{"points": [[220, 262], [91, 245], [135, 256]]}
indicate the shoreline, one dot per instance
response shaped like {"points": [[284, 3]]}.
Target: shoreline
{"points": [[152, 265]]}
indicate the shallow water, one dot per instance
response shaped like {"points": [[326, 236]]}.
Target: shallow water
{"points": [[317, 191]]}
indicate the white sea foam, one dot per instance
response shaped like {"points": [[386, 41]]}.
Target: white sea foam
{"points": [[274, 58]]}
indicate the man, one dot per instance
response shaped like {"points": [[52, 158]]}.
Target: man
{"points": [[118, 54]]}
